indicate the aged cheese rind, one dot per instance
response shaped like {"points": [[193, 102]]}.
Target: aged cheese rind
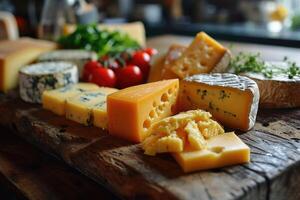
{"points": [[36, 78], [132, 111], [222, 150], [76, 56], [231, 99], [55, 100], [279, 91]]}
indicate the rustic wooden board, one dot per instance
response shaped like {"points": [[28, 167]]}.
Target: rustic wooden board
{"points": [[274, 171]]}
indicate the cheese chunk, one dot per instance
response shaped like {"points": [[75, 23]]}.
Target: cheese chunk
{"points": [[231, 99], [14, 54], [222, 150], [174, 133], [81, 107], [204, 55], [133, 110], [54, 100]]}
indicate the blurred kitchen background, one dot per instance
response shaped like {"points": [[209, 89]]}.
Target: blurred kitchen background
{"points": [[258, 21]]}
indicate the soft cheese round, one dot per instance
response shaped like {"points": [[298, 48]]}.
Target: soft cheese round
{"points": [[36, 78]]}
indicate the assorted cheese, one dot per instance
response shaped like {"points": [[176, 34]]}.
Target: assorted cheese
{"points": [[55, 100], [231, 99], [36, 78], [175, 133], [14, 54], [133, 110]]}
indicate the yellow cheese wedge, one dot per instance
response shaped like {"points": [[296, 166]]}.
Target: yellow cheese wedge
{"points": [[15, 54], [222, 150], [54, 100], [204, 55], [173, 134], [89, 108], [133, 110]]}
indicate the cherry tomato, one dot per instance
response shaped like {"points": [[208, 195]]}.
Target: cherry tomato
{"points": [[129, 75], [150, 51], [142, 60], [88, 68], [103, 77]]}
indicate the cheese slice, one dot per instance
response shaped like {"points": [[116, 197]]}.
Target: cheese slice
{"points": [[204, 55], [54, 100], [174, 133], [133, 110], [80, 108], [222, 150], [231, 99], [14, 54]]}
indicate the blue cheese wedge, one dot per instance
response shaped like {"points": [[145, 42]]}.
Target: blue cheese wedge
{"points": [[231, 99], [36, 78], [78, 57]]}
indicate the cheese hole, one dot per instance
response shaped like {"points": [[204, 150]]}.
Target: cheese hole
{"points": [[147, 124], [152, 114], [164, 97], [170, 91], [216, 149], [154, 104], [160, 108]]}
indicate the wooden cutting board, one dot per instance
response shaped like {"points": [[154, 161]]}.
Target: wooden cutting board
{"points": [[274, 171]]}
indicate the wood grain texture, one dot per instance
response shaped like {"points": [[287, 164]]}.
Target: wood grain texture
{"points": [[272, 174]]}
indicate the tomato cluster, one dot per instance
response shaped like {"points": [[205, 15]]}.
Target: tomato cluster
{"points": [[124, 70]]}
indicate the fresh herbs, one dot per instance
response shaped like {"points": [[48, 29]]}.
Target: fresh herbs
{"points": [[104, 42], [247, 62]]}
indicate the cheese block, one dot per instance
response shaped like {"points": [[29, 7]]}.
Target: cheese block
{"points": [[280, 91], [55, 100], [78, 57], [231, 99], [203, 55], [37, 78], [8, 26], [174, 133], [135, 30], [14, 54], [133, 110], [222, 150], [89, 108]]}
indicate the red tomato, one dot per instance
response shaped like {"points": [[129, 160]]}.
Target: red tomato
{"points": [[88, 68], [103, 77], [142, 60], [129, 76], [151, 51]]}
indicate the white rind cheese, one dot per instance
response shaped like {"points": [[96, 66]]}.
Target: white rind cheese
{"points": [[280, 91], [78, 57], [37, 78]]}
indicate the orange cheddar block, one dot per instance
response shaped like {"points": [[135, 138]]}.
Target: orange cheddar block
{"points": [[132, 111], [222, 150], [204, 55]]}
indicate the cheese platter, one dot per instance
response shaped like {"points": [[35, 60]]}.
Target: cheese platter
{"points": [[188, 126]]}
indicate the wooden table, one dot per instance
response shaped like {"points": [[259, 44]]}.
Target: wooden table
{"points": [[121, 166]]}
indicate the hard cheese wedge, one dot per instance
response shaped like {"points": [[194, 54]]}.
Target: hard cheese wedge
{"points": [[204, 55], [174, 133], [222, 150], [133, 110], [54, 100], [89, 108], [231, 99], [14, 54]]}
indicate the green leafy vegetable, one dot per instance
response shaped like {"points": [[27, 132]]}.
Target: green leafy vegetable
{"points": [[104, 42]]}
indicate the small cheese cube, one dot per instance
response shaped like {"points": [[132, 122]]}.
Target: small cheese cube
{"points": [[222, 150], [54, 100], [204, 55], [133, 110], [89, 108]]}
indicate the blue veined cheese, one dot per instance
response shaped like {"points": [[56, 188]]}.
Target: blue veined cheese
{"points": [[36, 78], [231, 99], [78, 57]]}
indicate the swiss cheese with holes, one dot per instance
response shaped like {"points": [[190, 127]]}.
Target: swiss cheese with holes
{"points": [[132, 111], [204, 55]]}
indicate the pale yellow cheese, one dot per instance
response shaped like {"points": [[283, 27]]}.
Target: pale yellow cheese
{"points": [[222, 150], [54, 100]]}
